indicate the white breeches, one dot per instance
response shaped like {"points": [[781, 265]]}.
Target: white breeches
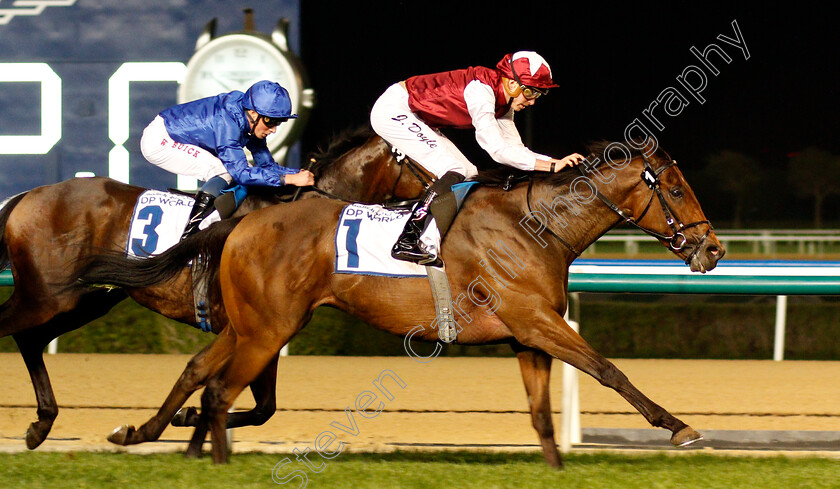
{"points": [[182, 159], [394, 121]]}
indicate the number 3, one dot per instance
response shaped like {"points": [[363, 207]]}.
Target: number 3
{"points": [[145, 247]]}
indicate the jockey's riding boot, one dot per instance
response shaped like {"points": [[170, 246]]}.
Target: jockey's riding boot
{"points": [[202, 208], [408, 246], [439, 202]]}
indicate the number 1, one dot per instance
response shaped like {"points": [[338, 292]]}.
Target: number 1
{"points": [[351, 245]]}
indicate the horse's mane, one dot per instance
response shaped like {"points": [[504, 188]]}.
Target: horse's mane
{"points": [[338, 145], [499, 175]]}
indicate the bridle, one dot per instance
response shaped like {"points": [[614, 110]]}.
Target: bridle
{"points": [[676, 241]]}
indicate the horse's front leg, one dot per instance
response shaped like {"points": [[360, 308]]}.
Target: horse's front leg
{"points": [[207, 363], [546, 330], [536, 369]]}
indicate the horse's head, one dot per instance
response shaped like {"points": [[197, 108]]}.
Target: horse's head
{"points": [[651, 193]]}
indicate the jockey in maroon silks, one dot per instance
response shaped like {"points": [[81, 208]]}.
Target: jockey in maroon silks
{"points": [[410, 112]]}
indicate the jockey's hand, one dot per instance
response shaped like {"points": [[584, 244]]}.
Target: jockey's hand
{"points": [[303, 178], [546, 165]]}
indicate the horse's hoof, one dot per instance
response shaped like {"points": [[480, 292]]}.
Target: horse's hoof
{"points": [[193, 452], [181, 417], [685, 437], [35, 436], [120, 435]]}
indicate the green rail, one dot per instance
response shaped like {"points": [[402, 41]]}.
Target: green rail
{"points": [[703, 284], [677, 284]]}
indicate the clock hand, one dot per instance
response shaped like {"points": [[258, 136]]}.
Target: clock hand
{"points": [[220, 82]]}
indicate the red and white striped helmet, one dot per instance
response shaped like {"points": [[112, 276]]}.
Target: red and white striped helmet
{"points": [[528, 68]]}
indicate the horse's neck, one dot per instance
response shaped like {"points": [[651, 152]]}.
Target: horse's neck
{"points": [[577, 223], [352, 175]]}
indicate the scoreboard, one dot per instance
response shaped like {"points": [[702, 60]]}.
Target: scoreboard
{"points": [[81, 79]]}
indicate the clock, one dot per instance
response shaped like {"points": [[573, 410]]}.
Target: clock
{"points": [[238, 60]]}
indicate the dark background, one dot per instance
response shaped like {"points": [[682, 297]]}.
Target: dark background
{"points": [[611, 62]]}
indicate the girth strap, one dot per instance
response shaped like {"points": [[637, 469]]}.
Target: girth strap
{"points": [[200, 302]]}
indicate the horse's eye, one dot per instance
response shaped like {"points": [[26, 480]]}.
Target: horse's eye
{"points": [[677, 192]]}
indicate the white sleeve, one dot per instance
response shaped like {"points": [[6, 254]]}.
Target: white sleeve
{"points": [[499, 137]]}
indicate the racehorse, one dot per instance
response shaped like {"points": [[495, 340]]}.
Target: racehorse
{"points": [[49, 229], [277, 266]]}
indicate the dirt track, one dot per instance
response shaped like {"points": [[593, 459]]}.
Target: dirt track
{"points": [[472, 402]]}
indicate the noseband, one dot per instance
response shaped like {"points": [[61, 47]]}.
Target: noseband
{"points": [[676, 241]]}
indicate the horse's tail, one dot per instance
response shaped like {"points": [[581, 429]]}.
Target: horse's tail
{"points": [[113, 268], [6, 208]]}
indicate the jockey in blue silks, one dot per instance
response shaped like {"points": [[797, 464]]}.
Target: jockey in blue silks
{"points": [[205, 139]]}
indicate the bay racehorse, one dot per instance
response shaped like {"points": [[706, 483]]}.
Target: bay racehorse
{"points": [[47, 230], [277, 266]]}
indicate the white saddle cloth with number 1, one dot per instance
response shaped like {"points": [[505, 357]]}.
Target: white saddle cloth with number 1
{"points": [[365, 236]]}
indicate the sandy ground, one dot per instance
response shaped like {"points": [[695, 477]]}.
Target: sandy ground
{"points": [[460, 402]]}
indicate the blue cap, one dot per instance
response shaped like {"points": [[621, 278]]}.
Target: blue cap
{"points": [[269, 99]]}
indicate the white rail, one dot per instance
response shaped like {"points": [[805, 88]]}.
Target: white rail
{"points": [[807, 241]]}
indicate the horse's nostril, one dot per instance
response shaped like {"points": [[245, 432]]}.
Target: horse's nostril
{"points": [[716, 252]]}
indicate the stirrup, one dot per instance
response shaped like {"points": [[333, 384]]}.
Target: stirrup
{"points": [[435, 262], [415, 254]]}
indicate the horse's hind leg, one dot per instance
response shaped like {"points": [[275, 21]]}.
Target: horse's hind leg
{"points": [[536, 369], [264, 391], [264, 388], [200, 368], [251, 357], [33, 355], [33, 338]]}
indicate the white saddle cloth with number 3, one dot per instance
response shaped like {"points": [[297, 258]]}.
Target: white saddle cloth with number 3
{"points": [[158, 222]]}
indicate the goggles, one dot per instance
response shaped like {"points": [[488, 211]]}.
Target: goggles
{"points": [[273, 121], [532, 93]]}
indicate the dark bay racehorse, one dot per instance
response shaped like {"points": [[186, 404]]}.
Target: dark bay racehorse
{"points": [[277, 267], [49, 229]]}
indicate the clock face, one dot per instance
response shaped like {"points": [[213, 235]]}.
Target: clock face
{"points": [[235, 62]]}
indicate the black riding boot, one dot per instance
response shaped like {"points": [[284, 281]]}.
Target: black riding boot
{"points": [[202, 208], [408, 247]]}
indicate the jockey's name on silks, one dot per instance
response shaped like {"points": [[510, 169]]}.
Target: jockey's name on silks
{"points": [[157, 223], [364, 237]]}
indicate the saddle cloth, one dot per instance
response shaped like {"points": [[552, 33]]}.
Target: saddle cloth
{"points": [[364, 238], [158, 222]]}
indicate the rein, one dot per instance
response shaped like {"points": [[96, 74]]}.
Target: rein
{"points": [[676, 241], [561, 240]]}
